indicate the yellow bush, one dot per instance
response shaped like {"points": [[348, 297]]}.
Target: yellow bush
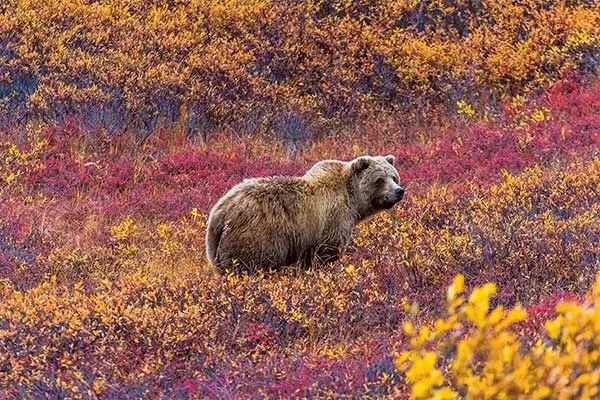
{"points": [[202, 64], [475, 352]]}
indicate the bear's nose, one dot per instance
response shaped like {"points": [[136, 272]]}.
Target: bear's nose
{"points": [[400, 193]]}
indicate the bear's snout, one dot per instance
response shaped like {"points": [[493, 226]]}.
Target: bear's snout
{"points": [[399, 193]]}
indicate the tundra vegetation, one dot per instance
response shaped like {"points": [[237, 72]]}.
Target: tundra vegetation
{"points": [[122, 123]]}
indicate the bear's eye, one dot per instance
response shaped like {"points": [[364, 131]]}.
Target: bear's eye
{"points": [[395, 180], [379, 181]]}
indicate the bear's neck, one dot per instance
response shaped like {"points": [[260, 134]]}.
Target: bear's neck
{"points": [[362, 214], [332, 187], [357, 204]]}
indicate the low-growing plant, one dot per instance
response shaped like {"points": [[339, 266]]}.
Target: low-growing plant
{"points": [[476, 351]]}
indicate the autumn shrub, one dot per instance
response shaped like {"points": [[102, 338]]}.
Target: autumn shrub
{"points": [[147, 336], [518, 232], [140, 314], [289, 68], [105, 291], [475, 352]]}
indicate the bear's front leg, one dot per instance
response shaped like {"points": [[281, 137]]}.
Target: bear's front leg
{"points": [[306, 259], [351, 247], [326, 253]]}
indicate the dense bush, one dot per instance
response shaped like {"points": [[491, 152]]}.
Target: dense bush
{"points": [[492, 110], [104, 289], [478, 352], [140, 315], [289, 67]]}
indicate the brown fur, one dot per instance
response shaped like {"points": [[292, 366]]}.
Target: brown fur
{"points": [[277, 221]]}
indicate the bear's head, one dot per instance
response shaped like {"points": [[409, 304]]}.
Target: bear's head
{"points": [[374, 184]]}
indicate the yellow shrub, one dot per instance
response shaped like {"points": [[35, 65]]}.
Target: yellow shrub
{"points": [[474, 352], [200, 62]]}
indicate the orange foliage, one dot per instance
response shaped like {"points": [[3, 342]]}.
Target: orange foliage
{"points": [[286, 67]]}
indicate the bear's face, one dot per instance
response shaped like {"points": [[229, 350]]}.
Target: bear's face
{"points": [[376, 183]]}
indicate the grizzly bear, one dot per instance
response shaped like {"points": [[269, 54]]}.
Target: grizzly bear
{"points": [[272, 222]]}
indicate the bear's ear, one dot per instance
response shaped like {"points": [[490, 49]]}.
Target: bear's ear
{"points": [[391, 159], [360, 164]]}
